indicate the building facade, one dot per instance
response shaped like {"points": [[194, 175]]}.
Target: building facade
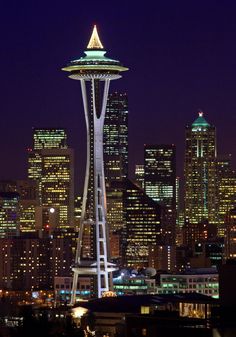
{"points": [[115, 138], [160, 174], [9, 214], [142, 225], [51, 166], [226, 192], [160, 185]]}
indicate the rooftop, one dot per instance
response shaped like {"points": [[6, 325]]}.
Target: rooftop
{"points": [[200, 121], [132, 303]]}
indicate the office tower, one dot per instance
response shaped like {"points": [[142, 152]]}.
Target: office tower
{"points": [[226, 179], [160, 185], [142, 225], [115, 206], [160, 174], [230, 235], [115, 142], [139, 175], [49, 138], [195, 232], [28, 203], [9, 214], [177, 180], [94, 71], [200, 172], [115, 138], [162, 257], [51, 165]]}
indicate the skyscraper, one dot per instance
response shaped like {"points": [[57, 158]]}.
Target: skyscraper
{"points": [[160, 174], [115, 142], [27, 202], [94, 71], [51, 165], [116, 137], [27, 190], [230, 235], [139, 175], [160, 185], [49, 138], [9, 214], [142, 225], [226, 178], [200, 172]]}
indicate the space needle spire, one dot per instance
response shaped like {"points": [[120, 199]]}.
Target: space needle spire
{"points": [[94, 71]]}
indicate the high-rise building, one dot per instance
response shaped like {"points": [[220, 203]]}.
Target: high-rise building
{"points": [[177, 186], [226, 179], [230, 235], [162, 257], [27, 190], [9, 214], [160, 185], [142, 225], [31, 263], [115, 205], [28, 201], [160, 174], [51, 165], [94, 71], [200, 172], [115, 142], [139, 175], [115, 137], [49, 138]]}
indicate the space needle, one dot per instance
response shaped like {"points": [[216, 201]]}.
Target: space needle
{"points": [[94, 71]]}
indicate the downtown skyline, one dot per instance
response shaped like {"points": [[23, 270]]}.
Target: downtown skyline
{"points": [[129, 248], [180, 62]]}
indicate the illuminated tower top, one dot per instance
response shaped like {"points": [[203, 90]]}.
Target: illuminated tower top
{"points": [[200, 121], [94, 42], [94, 64]]}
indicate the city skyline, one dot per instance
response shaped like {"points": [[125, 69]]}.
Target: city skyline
{"points": [[149, 247], [188, 53]]}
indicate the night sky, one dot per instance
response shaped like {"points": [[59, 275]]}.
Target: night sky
{"points": [[181, 55]]}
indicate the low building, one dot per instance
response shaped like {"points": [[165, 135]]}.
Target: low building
{"points": [[121, 316], [202, 281], [137, 285]]}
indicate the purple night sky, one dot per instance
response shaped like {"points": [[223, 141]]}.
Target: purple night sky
{"points": [[181, 55]]}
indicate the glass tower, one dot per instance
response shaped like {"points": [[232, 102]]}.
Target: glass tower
{"points": [[142, 225], [51, 165], [200, 172], [160, 174], [9, 214], [116, 137]]}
